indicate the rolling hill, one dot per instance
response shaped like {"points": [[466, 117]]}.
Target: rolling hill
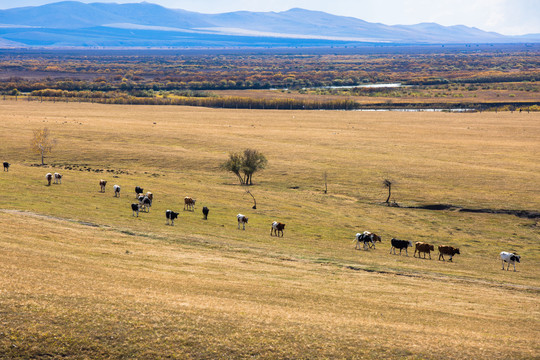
{"points": [[75, 24]]}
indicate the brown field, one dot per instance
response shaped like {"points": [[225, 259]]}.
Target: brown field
{"points": [[82, 278]]}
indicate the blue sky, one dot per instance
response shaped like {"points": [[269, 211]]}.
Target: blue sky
{"points": [[508, 17]]}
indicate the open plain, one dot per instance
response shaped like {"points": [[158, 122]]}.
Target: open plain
{"points": [[83, 278]]}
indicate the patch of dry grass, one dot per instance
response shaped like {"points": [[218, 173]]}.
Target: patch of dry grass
{"points": [[135, 288]]}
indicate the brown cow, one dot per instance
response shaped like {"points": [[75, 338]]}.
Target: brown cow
{"points": [[189, 203], [276, 228], [447, 250], [423, 247]]}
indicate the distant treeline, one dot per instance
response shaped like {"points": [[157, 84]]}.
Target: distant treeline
{"points": [[234, 102], [210, 101]]}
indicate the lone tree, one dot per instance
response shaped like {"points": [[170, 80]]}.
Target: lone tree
{"points": [[42, 143], [245, 164], [388, 184]]}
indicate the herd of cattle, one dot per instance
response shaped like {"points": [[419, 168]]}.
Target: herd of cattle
{"points": [[367, 239]]}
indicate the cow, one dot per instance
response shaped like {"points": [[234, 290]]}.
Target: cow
{"points": [[367, 238], [242, 220], [205, 212], [48, 176], [138, 191], [57, 178], [102, 184], [171, 215], [189, 203], [447, 250], [276, 228], [145, 203], [6, 166], [423, 247], [150, 196], [510, 258], [116, 189], [135, 208], [400, 244]]}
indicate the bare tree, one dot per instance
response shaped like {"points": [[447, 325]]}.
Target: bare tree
{"points": [[254, 201], [388, 184], [42, 143]]}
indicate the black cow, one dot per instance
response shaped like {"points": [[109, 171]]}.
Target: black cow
{"points": [[6, 166], [135, 209], [171, 215], [205, 212], [400, 244]]}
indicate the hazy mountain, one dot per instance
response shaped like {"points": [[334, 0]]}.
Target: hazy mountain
{"points": [[71, 23]]}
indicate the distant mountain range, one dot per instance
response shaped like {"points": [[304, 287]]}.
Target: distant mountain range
{"points": [[75, 24]]}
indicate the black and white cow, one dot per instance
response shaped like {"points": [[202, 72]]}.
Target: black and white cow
{"points": [[145, 203], [242, 220], [205, 212], [135, 208], [6, 166], [138, 191], [171, 215], [57, 178], [510, 258], [400, 244], [116, 189], [49, 177], [367, 238]]}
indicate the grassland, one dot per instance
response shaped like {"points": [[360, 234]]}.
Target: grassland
{"points": [[82, 278]]}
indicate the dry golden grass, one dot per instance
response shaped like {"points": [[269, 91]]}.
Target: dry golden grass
{"points": [[83, 278]]}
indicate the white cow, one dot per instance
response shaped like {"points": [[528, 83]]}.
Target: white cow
{"points": [[57, 178], [510, 258], [116, 190]]}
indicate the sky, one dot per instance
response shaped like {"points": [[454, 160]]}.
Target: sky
{"points": [[507, 17]]}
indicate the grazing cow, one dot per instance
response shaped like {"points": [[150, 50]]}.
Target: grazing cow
{"points": [[510, 258], [49, 178], [135, 208], [6, 166], [276, 228], [400, 244], [171, 215], [367, 238], [145, 203], [242, 220], [423, 247], [116, 189], [57, 178], [189, 203], [205, 212], [150, 196], [138, 191], [102, 184], [447, 250]]}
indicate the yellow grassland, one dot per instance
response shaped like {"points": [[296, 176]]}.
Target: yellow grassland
{"points": [[82, 278]]}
